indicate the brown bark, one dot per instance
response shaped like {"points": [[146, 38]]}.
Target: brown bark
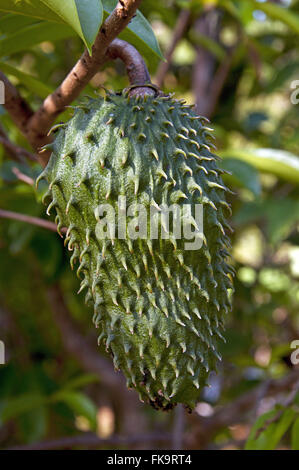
{"points": [[29, 220], [35, 126], [208, 25], [92, 441], [82, 72], [178, 33]]}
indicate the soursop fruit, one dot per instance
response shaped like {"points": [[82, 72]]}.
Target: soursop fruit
{"points": [[159, 307]]}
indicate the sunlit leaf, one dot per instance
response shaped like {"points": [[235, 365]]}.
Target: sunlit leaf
{"points": [[32, 83], [280, 13], [79, 403], [295, 435], [84, 16], [33, 8], [278, 215], [34, 34], [11, 22], [281, 163], [243, 174], [269, 429]]}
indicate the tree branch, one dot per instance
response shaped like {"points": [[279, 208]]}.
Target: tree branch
{"points": [[35, 126], [178, 427], [87, 66], [218, 83], [87, 355], [208, 25], [16, 152], [178, 33], [92, 441], [16, 106], [288, 401], [21, 114], [30, 220], [77, 345]]}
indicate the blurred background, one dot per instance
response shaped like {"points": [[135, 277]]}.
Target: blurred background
{"points": [[239, 62]]}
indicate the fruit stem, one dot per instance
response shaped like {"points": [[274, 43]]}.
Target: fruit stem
{"points": [[137, 71]]}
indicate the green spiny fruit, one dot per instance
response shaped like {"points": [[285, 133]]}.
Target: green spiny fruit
{"points": [[160, 308]]}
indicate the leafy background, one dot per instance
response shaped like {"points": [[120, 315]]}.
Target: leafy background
{"points": [[237, 61]]}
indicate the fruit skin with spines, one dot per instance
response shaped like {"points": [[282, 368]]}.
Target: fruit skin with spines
{"points": [[160, 308]]}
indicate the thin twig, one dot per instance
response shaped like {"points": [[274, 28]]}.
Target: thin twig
{"points": [[30, 220], [22, 177], [179, 30], [255, 58], [77, 345], [178, 428], [17, 153], [16, 106], [92, 441], [285, 404], [208, 24], [5, 142], [218, 83], [90, 358]]}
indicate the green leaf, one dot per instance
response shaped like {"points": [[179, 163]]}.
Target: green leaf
{"points": [[277, 12], [295, 435], [139, 33], [84, 16], [11, 23], [33, 424], [79, 403], [243, 174], [282, 217], [281, 163], [33, 8], [266, 435], [209, 44], [81, 381], [32, 83], [245, 11], [282, 76], [21, 404], [50, 259], [281, 427], [254, 438], [232, 9], [32, 35], [278, 215]]}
